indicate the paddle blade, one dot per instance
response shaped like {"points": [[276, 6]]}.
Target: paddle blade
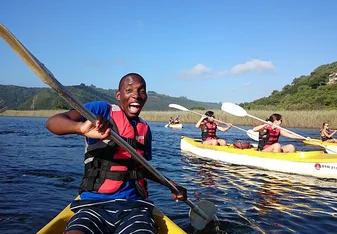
{"points": [[254, 145], [208, 208], [179, 107], [253, 135], [166, 126], [233, 109], [331, 149]]}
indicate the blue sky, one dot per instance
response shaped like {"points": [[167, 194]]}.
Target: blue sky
{"points": [[217, 51]]}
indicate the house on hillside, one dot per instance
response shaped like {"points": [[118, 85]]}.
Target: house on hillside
{"points": [[332, 78]]}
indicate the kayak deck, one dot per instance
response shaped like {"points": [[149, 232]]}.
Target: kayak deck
{"points": [[180, 125], [313, 141], [58, 224], [311, 163], [299, 156]]}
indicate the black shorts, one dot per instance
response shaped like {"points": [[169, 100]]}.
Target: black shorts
{"points": [[112, 216]]}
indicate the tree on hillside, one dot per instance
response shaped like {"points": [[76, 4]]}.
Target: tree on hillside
{"points": [[304, 93]]}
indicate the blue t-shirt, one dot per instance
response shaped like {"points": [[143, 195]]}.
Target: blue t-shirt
{"points": [[128, 189]]}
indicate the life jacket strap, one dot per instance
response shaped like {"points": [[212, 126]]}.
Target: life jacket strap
{"points": [[95, 177]]}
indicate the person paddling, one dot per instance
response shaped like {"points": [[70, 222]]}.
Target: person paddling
{"points": [[326, 134], [208, 129], [113, 192], [171, 121], [269, 135], [176, 120]]}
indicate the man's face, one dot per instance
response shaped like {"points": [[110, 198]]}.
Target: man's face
{"points": [[132, 95]]}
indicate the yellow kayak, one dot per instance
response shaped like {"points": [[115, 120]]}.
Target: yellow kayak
{"points": [[331, 148], [58, 224], [313, 141], [313, 163], [180, 125]]}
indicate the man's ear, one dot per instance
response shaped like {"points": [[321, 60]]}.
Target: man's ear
{"points": [[118, 95]]}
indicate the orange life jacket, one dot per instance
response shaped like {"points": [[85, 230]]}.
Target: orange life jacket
{"points": [[107, 165]]}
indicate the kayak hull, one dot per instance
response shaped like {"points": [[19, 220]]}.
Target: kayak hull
{"points": [[331, 148], [312, 163], [58, 224], [175, 125]]}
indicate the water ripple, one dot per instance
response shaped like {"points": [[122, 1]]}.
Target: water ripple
{"points": [[41, 172]]}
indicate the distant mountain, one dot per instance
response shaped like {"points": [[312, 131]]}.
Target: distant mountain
{"points": [[23, 98], [318, 91]]}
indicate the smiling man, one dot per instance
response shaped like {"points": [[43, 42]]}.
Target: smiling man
{"points": [[113, 190]]}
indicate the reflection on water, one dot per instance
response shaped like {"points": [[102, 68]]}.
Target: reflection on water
{"points": [[41, 172], [268, 201]]}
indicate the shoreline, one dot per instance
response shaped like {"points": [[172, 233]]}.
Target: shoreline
{"points": [[292, 119]]}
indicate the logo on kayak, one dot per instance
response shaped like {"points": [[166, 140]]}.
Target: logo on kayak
{"points": [[318, 166], [329, 167]]}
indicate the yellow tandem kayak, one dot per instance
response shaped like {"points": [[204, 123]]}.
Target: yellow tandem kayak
{"points": [[180, 125], [331, 148], [58, 224], [312, 163]]}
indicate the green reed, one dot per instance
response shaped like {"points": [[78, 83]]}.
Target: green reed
{"points": [[296, 119]]}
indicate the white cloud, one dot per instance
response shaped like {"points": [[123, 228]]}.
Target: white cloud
{"points": [[251, 66], [197, 70], [254, 65], [246, 84]]}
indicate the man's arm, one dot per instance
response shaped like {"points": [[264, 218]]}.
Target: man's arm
{"points": [[70, 122], [65, 123]]}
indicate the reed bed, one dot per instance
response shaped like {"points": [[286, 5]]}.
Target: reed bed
{"points": [[293, 119], [31, 113]]}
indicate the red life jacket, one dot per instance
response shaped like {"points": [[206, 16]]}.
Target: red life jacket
{"points": [[107, 165], [270, 137], [209, 130]]}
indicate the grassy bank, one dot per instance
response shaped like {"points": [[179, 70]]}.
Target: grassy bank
{"points": [[296, 119]]}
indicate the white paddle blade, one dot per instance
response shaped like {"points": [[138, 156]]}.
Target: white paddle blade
{"points": [[253, 135], [179, 107], [331, 149], [166, 126], [208, 208], [254, 145], [233, 109]]}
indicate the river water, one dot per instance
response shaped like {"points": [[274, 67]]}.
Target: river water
{"points": [[40, 173]]}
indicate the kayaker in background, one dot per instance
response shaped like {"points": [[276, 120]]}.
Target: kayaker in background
{"points": [[269, 136], [208, 129], [171, 121], [326, 134], [113, 190], [176, 120]]}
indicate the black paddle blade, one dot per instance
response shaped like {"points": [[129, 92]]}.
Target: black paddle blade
{"points": [[197, 221]]}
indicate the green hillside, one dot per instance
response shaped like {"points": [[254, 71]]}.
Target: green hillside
{"points": [[23, 98], [317, 91]]}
